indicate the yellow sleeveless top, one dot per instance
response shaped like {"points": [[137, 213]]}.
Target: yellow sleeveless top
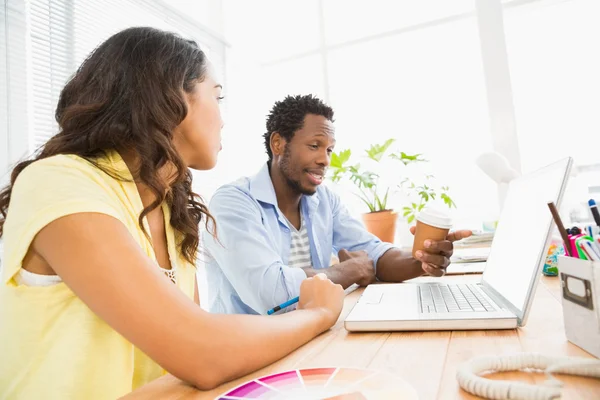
{"points": [[52, 346]]}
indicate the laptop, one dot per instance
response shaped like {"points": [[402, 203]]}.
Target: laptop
{"points": [[503, 297]]}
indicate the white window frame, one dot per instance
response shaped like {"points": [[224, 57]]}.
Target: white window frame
{"points": [[16, 130], [17, 133]]}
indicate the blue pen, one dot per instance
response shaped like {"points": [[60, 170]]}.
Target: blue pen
{"points": [[288, 303], [594, 210], [283, 305]]}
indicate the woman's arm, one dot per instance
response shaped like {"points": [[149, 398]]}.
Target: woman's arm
{"points": [[99, 260]]}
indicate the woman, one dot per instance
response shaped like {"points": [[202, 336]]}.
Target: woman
{"points": [[101, 234]]}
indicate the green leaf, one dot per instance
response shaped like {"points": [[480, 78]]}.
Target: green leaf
{"points": [[338, 173], [339, 159], [371, 206], [421, 206], [406, 158], [335, 161], [410, 219], [406, 213], [378, 203], [365, 197], [377, 151], [381, 204], [363, 180], [385, 198], [345, 155], [387, 144], [448, 201]]}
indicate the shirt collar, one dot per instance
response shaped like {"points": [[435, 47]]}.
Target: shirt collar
{"points": [[261, 188]]}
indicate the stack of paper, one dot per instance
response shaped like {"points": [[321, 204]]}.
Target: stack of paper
{"points": [[479, 239], [470, 255]]}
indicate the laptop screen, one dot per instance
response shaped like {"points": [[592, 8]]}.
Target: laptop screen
{"points": [[521, 240]]}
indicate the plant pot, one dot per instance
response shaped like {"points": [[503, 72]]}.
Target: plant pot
{"points": [[381, 224]]}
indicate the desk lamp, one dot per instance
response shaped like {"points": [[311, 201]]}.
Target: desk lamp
{"points": [[499, 170]]}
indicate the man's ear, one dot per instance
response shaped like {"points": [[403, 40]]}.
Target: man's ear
{"points": [[277, 144]]}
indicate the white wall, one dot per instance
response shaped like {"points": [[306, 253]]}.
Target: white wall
{"points": [[555, 71], [209, 13], [405, 70], [555, 68], [414, 71]]}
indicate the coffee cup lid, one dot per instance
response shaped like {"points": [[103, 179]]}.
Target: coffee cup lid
{"points": [[434, 217]]}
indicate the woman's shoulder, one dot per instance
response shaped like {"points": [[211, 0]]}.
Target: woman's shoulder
{"points": [[64, 179], [63, 168], [61, 162]]}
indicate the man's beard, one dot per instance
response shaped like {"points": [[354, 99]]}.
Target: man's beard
{"points": [[286, 172]]}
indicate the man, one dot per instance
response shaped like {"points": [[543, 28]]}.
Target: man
{"points": [[282, 226]]}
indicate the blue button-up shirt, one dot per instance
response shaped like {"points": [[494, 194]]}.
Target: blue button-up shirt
{"points": [[247, 268]]}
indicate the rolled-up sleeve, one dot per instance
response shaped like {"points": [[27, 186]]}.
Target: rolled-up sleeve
{"points": [[350, 234], [245, 254]]}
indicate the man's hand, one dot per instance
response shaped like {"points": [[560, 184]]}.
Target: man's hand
{"points": [[436, 257], [354, 267], [361, 264]]}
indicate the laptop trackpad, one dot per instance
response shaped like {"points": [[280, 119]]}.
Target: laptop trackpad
{"points": [[371, 297], [388, 302]]}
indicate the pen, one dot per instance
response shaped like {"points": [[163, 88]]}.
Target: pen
{"points": [[586, 246], [283, 305], [288, 303], [594, 210], [561, 228], [596, 249]]}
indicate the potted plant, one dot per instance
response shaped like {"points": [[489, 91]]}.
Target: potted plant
{"points": [[374, 192]]}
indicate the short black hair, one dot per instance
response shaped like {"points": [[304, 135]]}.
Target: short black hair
{"points": [[287, 116]]}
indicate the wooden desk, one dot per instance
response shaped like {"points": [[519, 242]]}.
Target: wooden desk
{"points": [[426, 360]]}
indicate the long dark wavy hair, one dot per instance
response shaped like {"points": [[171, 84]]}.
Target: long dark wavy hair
{"points": [[129, 94]]}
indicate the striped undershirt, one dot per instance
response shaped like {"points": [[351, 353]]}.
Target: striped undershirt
{"points": [[300, 247]]}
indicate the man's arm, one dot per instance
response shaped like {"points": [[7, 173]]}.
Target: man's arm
{"points": [[359, 250], [354, 267], [397, 265]]}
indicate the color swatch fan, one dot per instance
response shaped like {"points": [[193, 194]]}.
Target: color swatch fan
{"points": [[324, 383]]}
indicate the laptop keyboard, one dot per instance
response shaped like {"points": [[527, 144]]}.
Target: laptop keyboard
{"points": [[452, 298]]}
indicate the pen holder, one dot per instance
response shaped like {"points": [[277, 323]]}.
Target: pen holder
{"points": [[580, 281]]}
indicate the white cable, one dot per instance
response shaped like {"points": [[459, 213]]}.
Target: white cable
{"points": [[468, 379]]}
